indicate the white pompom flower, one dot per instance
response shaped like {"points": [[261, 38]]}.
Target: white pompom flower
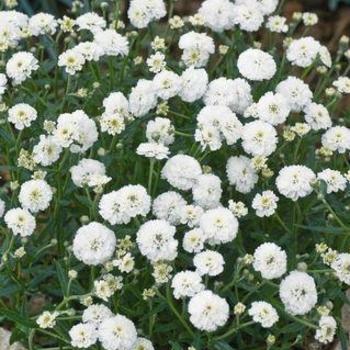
{"points": [[298, 293], [270, 260], [35, 195], [94, 244], [208, 311], [117, 333], [256, 65], [155, 240]]}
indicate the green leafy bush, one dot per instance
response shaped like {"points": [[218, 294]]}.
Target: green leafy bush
{"points": [[181, 182]]}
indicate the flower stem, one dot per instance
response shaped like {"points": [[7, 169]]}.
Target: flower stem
{"points": [[150, 175]]}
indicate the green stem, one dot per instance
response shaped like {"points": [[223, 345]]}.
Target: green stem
{"points": [[233, 330], [168, 299], [150, 175], [180, 133], [336, 217], [281, 222], [180, 115]]}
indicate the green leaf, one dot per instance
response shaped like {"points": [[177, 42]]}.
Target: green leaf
{"points": [[175, 345], [222, 345], [16, 317], [344, 339], [62, 277], [324, 229]]}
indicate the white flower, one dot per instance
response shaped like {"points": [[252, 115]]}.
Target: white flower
{"points": [[193, 84], [20, 222], [337, 138], [310, 18], [298, 293], [167, 84], [167, 206], [125, 264], [75, 130], [219, 225], [193, 241], [72, 60], [241, 174], [35, 195], [117, 333], [325, 56], [156, 62], [218, 15], [83, 335], [2, 208], [326, 331], [88, 172], [20, 66], [317, 116], [341, 266], [265, 204], [89, 50], [277, 24], [107, 286], [113, 124], [22, 115], [181, 171], [238, 209], [116, 103], [47, 151], [270, 260], [96, 313], [91, 21], [266, 7], [12, 24], [343, 85], [296, 92], [236, 94], [259, 138], [334, 180], [143, 344], [141, 12], [160, 130], [42, 23], [220, 122], [273, 108], [186, 284], [263, 313], [47, 319], [94, 244], [208, 311], [142, 98], [112, 43], [190, 215], [207, 191], [248, 16], [121, 206], [256, 65], [209, 262], [295, 181], [303, 52], [155, 240], [3, 84], [152, 150], [197, 47]]}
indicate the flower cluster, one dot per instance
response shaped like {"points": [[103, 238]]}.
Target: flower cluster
{"points": [[172, 182]]}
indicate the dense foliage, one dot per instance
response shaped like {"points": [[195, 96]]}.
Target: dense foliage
{"points": [[181, 182]]}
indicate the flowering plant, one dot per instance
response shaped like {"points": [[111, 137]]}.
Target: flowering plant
{"points": [[173, 183]]}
